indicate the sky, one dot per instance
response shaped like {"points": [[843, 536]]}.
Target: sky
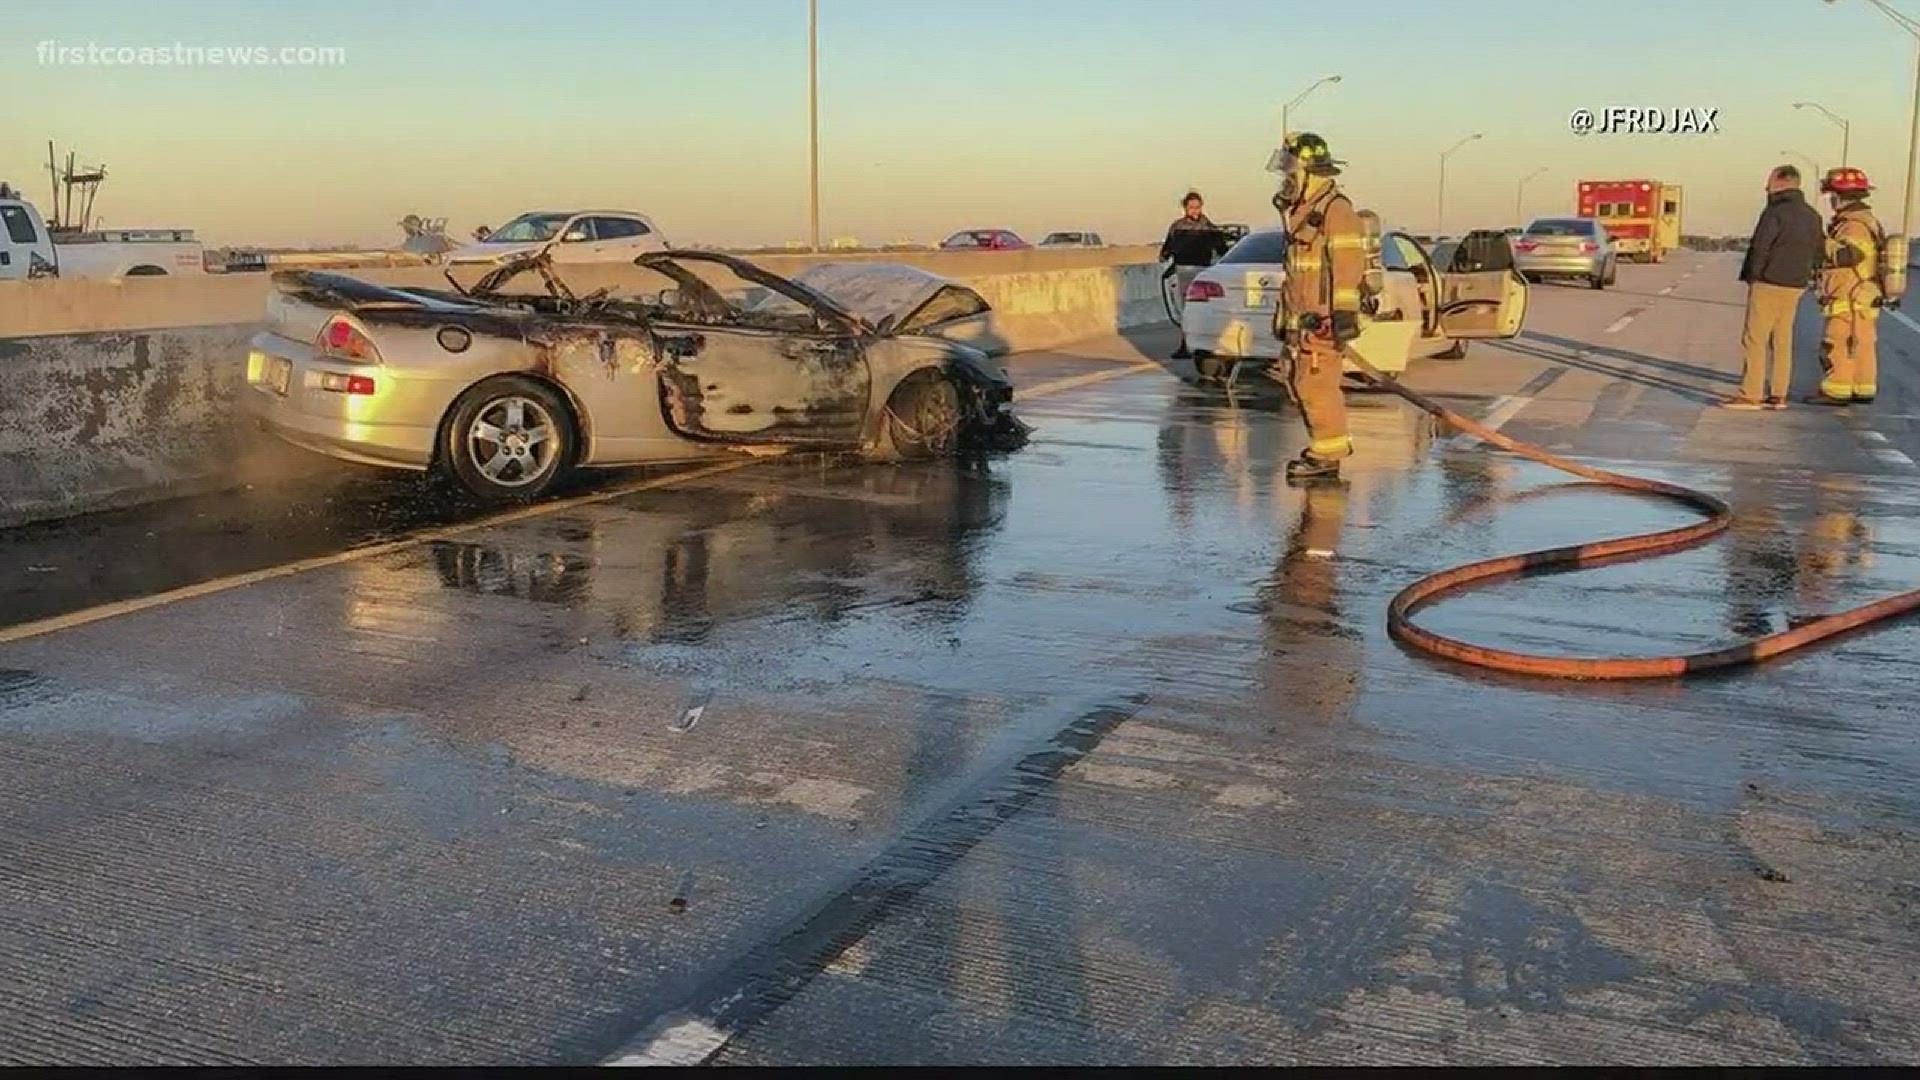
{"points": [[1033, 115]]}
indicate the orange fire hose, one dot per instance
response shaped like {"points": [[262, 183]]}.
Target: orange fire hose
{"points": [[1433, 587]]}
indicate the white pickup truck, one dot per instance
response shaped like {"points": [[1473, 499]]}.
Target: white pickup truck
{"points": [[29, 250]]}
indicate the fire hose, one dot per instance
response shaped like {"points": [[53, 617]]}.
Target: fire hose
{"points": [[1718, 516]]}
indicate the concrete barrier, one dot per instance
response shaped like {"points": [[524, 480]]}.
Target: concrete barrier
{"points": [[97, 421], [73, 307], [113, 417]]}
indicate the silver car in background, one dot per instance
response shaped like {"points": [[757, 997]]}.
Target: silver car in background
{"points": [[1566, 248]]}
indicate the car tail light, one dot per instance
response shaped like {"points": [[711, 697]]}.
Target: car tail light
{"points": [[340, 338], [1589, 247], [1525, 245], [346, 384], [1201, 291]]}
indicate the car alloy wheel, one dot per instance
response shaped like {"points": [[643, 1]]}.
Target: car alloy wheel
{"points": [[512, 441]]}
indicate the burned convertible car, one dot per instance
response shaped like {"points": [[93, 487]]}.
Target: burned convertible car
{"points": [[506, 392]]}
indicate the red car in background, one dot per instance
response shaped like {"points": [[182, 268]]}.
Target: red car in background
{"points": [[984, 240]]}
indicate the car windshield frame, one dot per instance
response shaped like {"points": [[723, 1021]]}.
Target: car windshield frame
{"points": [[558, 220], [828, 316]]}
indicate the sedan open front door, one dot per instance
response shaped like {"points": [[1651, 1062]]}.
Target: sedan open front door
{"points": [[789, 369]]}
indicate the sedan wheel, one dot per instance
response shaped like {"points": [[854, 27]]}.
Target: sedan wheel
{"points": [[508, 439]]}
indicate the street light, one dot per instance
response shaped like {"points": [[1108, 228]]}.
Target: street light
{"points": [[1913, 125], [1846, 129], [1440, 218], [1811, 163], [1297, 99], [813, 124], [1521, 191]]}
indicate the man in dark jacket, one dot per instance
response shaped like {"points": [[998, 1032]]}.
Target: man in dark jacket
{"points": [[1786, 247], [1192, 243]]}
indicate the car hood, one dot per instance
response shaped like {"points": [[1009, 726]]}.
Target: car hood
{"points": [[874, 291]]}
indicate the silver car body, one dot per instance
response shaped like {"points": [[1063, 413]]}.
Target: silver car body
{"points": [[1566, 247], [696, 376]]}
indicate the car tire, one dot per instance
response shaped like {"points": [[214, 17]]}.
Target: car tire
{"points": [[1532, 279], [1598, 280], [1455, 351], [1613, 272], [491, 443], [923, 418]]}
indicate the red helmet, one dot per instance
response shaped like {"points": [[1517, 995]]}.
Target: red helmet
{"points": [[1845, 182]]}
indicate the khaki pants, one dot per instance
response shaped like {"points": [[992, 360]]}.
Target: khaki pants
{"points": [[1770, 311], [1316, 382], [1847, 354]]}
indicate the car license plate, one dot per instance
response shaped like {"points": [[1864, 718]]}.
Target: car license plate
{"points": [[279, 375]]}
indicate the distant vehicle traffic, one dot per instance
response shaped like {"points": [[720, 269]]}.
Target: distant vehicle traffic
{"points": [[1421, 312], [984, 240], [28, 249], [574, 236], [1642, 216], [1577, 248], [1072, 240]]}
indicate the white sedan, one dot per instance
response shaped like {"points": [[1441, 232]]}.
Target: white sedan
{"points": [[573, 236], [1229, 309]]}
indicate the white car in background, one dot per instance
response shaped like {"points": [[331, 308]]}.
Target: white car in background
{"points": [[1229, 310], [575, 236], [1073, 239]]}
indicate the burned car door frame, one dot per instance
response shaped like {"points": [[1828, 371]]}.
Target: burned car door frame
{"points": [[730, 375]]}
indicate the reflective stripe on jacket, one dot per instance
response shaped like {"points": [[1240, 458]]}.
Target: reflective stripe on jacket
{"points": [[1326, 258]]}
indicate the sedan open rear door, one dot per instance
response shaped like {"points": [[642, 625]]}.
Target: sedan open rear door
{"points": [[1485, 297]]}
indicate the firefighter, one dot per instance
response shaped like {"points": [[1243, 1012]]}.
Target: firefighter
{"points": [[1320, 309], [1850, 292]]}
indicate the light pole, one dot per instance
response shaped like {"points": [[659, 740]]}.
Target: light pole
{"points": [[813, 124], [1913, 124], [1811, 163], [1440, 217], [1846, 129], [1297, 99], [1520, 192]]}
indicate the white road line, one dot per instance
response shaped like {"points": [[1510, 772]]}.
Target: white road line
{"points": [[1665, 291], [1904, 318], [1618, 324], [1056, 385], [1508, 406], [1882, 449], [690, 1042], [218, 585]]}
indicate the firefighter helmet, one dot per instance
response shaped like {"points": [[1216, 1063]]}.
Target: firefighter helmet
{"points": [[1312, 153], [1845, 182]]}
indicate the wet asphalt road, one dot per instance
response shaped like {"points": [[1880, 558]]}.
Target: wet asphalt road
{"points": [[1093, 753]]}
